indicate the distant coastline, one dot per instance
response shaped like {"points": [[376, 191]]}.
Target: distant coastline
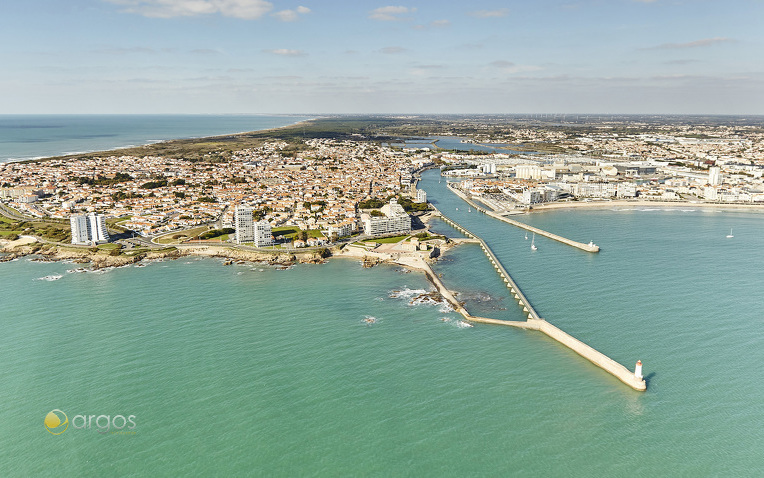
{"points": [[74, 135]]}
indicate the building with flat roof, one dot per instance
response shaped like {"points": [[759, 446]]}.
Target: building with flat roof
{"points": [[263, 236], [245, 224], [89, 229], [394, 221]]}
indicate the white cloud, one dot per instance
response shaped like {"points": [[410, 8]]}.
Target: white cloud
{"points": [[502, 12], [393, 50], [693, 44], [433, 24], [286, 52], [244, 9], [291, 15], [509, 67], [390, 13]]}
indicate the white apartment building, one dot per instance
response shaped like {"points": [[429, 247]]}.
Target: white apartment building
{"points": [[595, 190], [342, 229], [421, 196], [89, 229], [394, 221], [245, 224], [263, 236], [714, 176], [528, 171]]}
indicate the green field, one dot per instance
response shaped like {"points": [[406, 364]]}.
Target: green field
{"points": [[389, 240], [289, 232], [180, 236]]}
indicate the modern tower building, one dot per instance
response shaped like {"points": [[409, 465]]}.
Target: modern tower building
{"points": [[263, 235], [245, 224], [89, 229], [714, 176], [79, 225]]}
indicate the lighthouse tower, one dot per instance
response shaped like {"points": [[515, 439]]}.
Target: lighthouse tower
{"points": [[638, 370]]}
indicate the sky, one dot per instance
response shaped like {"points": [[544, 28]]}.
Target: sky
{"points": [[418, 57]]}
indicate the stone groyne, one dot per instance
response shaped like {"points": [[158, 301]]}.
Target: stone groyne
{"points": [[590, 247], [534, 321]]}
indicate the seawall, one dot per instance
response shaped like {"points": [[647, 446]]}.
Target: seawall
{"points": [[593, 355]]}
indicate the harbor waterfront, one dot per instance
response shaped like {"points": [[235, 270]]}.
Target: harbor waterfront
{"points": [[242, 369]]}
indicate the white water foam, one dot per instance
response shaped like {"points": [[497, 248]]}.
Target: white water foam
{"points": [[51, 277]]}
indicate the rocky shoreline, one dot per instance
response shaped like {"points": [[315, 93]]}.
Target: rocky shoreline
{"points": [[101, 259]]}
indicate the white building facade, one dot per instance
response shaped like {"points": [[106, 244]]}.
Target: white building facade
{"points": [[89, 229], [245, 224], [394, 221], [263, 236]]}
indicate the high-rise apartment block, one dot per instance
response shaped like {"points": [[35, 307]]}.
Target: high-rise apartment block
{"points": [[245, 224], [89, 229], [263, 234], [394, 221]]}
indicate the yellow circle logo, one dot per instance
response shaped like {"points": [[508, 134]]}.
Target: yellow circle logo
{"points": [[56, 422]]}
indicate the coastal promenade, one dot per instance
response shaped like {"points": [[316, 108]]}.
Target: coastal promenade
{"points": [[590, 247], [534, 320]]}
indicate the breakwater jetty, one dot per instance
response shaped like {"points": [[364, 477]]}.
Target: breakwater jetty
{"points": [[590, 247], [534, 320]]}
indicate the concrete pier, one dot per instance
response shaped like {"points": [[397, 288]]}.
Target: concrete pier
{"points": [[534, 321], [579, 245]]}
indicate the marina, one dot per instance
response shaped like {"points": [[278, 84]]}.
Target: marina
{"points": [[590, 247]]}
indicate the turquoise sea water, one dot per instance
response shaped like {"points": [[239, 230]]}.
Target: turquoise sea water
{"points": [[249, 370], [34, 136]]}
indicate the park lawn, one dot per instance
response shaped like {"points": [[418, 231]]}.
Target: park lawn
{"points": [[289, 232], [390, 240], [174, 237]]}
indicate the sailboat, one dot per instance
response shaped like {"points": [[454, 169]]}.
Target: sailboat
{"points": [[469, 209], [526, 235], [730, 236], [533, 245]]}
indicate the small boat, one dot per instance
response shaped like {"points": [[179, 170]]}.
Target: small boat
{"points": [[730, 236], [457, 208], [469, 209], [526, 235], [533, 245]]}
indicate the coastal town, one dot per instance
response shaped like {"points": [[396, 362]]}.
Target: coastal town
{"points": [[333, 188]]}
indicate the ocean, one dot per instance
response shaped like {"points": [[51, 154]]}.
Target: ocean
{"points": [[35, 136], [251, 370]]}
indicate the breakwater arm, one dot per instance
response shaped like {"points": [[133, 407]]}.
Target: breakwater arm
{"points": [[579, 245], [534, 321]]}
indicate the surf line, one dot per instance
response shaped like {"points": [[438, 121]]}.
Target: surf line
{"points": [[534, 322]]}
